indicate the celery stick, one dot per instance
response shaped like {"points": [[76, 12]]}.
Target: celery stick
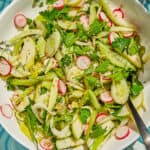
{"points": [[23, 34], [94, 100], [91, 123], [115, 58], [31, 81], [53, 94], [110, 14]]}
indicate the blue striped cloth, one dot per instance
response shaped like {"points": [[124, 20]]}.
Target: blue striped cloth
{"points": [[8, 143]]}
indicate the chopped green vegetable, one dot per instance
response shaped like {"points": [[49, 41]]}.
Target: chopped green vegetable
{"points": [[91, 81], [96, 27], [97, 131], [66, 60], [103, 67], [136, 87], [70, 39], [43, 90], [133, 47], [121, 44], [49, 27], [84, 114], [119, 74], [90, 70], [94, 56], [81, 33], [54, 14]]}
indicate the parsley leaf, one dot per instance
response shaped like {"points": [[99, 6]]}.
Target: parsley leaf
{"points": [[66, 60], [97, 131], [121, 44], [90, 70], [94, 56], [54, 14], [82, 34], [119, 74], [70, 39], [91, 81], [49, 27], [81, 51], [43, 90], [77, 50], [96, 27], [103, 67], [133, 47], [84, 114], [136, 87]]}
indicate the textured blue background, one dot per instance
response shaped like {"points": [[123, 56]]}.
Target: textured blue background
{"points": [[6, 141]]}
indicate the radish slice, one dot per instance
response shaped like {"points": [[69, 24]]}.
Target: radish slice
{"points": [[106, 97], [122, 132], [103, 17], [128, 34], [59, 4], [20, 20], [96, 75], [85, 127], [83, 62], [5, 67], [7, 111], [118, 12], [46, 144], [105, 78], [84, 19], [100, 117], [62, 87], [112, 36]]}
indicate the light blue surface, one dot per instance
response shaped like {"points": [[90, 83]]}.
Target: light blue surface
{"points": [[6, 141]]}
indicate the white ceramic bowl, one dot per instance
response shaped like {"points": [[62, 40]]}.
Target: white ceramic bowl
{"points": [[136, 14]]}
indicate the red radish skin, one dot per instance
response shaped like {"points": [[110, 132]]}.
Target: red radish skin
{"points": [[119, 13], [46, 144], [62, 87], [84, 19], [128, 34], [105, 78], [106, 97], [96, 75], [100, 117], [7, 111], [20, 20], [122, 132], [83, 62], [85, 127], [102, 17], [5, 67], [112, 36], [59, 4]]}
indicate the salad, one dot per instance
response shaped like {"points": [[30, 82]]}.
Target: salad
{"points": [[72, 69]]}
